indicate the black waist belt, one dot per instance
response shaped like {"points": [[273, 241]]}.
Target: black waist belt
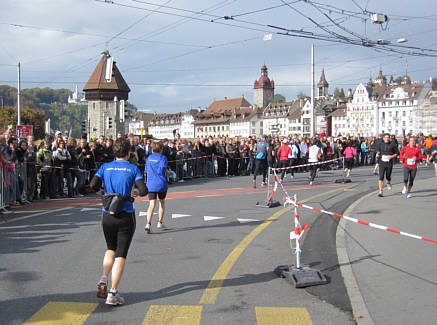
{"points": [[113, 202]]}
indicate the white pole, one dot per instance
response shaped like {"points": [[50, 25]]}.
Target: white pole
{"points": [[296, 224], [268, 183], [18, 96], [313, 127]]}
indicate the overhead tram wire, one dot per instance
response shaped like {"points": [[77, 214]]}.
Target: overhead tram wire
{"points": [[170, 26], [195, 51], [117, 49], [136, 23], [335, 37]]}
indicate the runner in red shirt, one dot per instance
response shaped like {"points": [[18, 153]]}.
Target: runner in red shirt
{"points": [[283, 153], [410, 155]]}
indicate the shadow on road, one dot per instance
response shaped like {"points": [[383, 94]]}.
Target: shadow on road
{"points": [[32, 305], [50, 229]]}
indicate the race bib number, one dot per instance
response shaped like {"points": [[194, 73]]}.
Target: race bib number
{"points": [[411, 161], [385, 158]]}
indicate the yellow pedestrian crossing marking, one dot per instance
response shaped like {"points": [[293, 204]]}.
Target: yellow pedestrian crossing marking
{"points": [[282, 316], [76, 313], [173, 315], [62, 313]]}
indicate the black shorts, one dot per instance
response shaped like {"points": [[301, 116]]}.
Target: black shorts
{"points": [[159, 195], [349, 162], [385, 169], [118, 231]]}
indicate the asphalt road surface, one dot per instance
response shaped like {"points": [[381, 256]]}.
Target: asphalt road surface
{"points": [[212, 265]]}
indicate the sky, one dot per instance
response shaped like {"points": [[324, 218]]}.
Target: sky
{"points": [[181, 54]]}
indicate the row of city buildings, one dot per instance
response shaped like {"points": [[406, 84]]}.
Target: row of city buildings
{"points": [[398, 107]]}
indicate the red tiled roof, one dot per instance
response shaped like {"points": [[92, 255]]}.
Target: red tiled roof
{"points": [[97, 80], [413, 91], [220, 106], [339, 112]]}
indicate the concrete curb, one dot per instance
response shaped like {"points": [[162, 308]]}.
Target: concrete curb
{"points": [[359, 310]]}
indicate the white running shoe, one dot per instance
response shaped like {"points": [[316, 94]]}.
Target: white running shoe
{"points": [[404, 190], [409, 195], [291, 176], [114, 299], [147, 228], [160, 225], [389, 186]]}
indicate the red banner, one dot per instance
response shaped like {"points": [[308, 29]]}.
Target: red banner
{"points": [[23, 131]]}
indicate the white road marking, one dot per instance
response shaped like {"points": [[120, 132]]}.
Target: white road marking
{"points": [[90, 209], [144, 213], [209, 218], [247, 220], [33, 215], [176, 215]]}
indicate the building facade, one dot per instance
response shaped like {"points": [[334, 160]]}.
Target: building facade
{"points": [[246, 122], [399, 107]]}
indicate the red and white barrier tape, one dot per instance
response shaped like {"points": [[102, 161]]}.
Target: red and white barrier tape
{"points": [[305, 165], [290, 200]]}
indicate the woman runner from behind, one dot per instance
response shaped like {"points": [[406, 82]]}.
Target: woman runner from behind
{"points": [[119, 177], [157, 172]]}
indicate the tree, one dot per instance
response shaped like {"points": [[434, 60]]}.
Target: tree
{"points": [[29, 116], [278, 98], [301, 95]]}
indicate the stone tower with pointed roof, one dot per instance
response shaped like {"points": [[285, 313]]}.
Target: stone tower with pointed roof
{"points": [[263, 89], [322, 86], [106, 92]]}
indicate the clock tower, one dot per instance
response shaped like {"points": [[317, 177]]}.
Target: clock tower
{"points": [[263, 89]]}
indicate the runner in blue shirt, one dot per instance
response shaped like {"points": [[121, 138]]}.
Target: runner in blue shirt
{"points": [[119, 177], [157, 172]]}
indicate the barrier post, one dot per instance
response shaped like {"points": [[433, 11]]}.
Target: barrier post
{"points": [[269, 203], [343, 179], [297, 233], [268, 183], [299, 275]]}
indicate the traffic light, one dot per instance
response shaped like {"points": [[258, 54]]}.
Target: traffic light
{"points": [[109, 122], [83, 124]]}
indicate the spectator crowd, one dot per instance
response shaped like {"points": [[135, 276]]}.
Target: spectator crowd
{"points": [[61, 166]]}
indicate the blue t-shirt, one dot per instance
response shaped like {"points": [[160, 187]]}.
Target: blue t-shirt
{"points": [[119, 176], [156, 164], [434, 149]]}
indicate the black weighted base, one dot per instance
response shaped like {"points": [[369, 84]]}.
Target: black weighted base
{"points": [[303, 277], [343, 180], [268, 204]]}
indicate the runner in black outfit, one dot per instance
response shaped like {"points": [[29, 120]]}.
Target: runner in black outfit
{"points": [[387, 151], [119, 177]]}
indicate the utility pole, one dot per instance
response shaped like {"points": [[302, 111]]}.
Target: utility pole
{"points": [[18, 96], [313, 126]]}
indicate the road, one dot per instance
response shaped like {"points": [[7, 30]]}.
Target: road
{"points": [[213, 265]]}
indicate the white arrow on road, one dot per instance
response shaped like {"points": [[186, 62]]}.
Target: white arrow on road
{"points": [[144, 213], [90, 209], [246, 220], [209, 218], [175, 215]]}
